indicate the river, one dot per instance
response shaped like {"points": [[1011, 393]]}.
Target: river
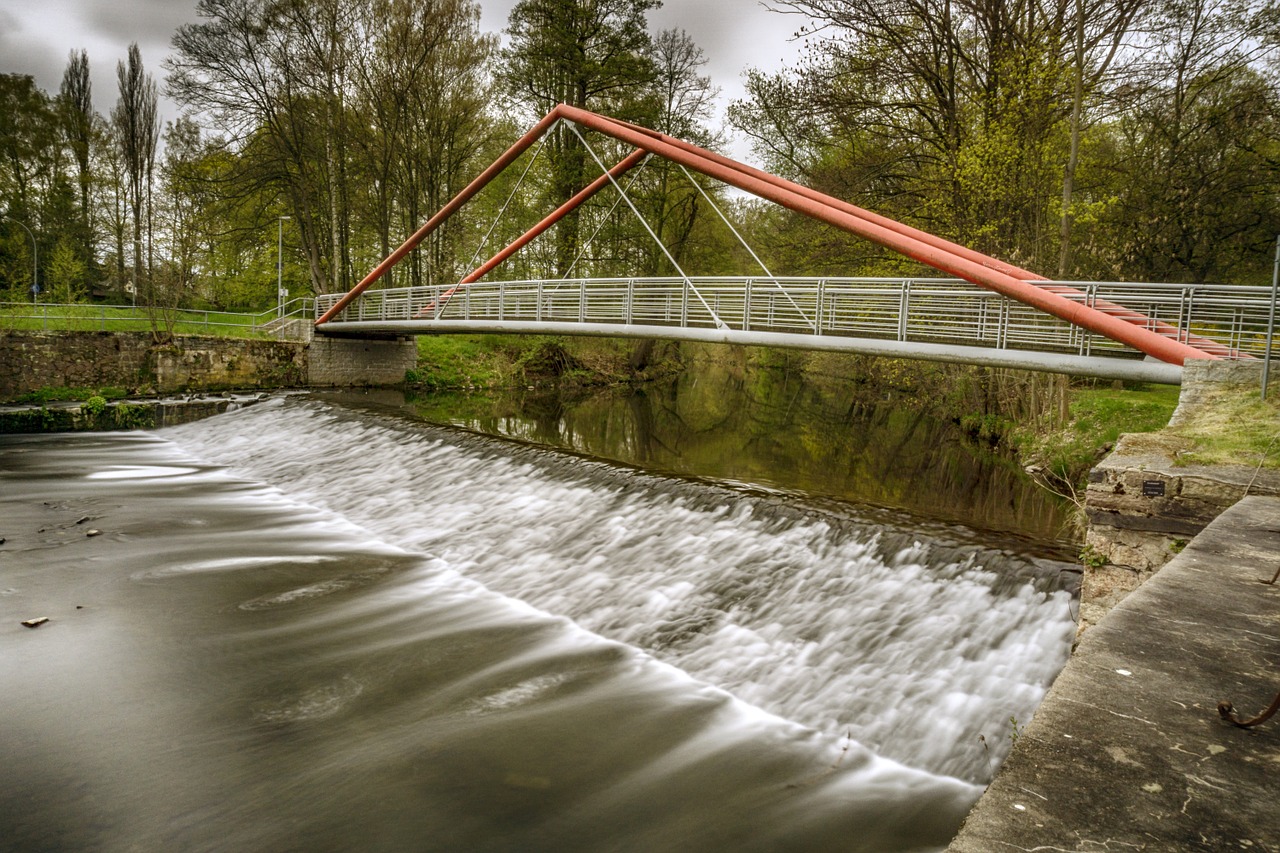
{"points": [[318, 624]]}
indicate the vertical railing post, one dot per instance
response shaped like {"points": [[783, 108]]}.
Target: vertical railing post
{"points": [[1086, 337], [904, 305], [582, 300], [1271, 319], [1182, 312], [817, 325], [537, 312], [502, 300], [466, 303], [629, 310], [746, 306], [684, 304]]}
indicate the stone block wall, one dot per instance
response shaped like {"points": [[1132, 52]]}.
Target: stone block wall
{"points": [[218, 363], [344, 362], [1143, 509], [33, 360]]}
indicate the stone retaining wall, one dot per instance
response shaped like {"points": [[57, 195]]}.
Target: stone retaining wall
{"points": [[30, 361], [1143, 508]]}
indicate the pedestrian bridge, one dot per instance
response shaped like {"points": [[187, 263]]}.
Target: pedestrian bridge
{"points": [[985, 311], [921, 318]]}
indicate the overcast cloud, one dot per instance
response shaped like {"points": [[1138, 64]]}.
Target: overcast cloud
{"points": [[36, 36]]}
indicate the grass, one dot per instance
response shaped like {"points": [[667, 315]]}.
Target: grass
{"points": [[111, 318], [454, 362], [1231, 426], [461, 361], [50, 394], [1097, 417]]}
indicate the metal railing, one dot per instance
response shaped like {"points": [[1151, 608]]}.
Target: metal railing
{"points": [[920, 310], [49, 316]]}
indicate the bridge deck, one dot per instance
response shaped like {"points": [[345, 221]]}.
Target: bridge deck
{"points": [[934, 319]]}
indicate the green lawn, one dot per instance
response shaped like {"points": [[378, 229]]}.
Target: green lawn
{"points": [[104, 318], [1098, 416]]}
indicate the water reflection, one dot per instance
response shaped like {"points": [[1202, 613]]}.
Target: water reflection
{"points": [[779, 429]]}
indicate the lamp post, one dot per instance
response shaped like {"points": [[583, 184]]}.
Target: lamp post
{"points": [[35, 258], [280, 267]]}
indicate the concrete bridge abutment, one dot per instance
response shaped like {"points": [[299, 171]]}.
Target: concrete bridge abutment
{"points": [[336, 361]]}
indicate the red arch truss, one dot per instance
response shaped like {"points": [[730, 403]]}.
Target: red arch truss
{"points": [[1154, 338]]}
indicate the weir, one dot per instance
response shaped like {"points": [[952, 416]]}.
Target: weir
{"points": [[915, 646], [444, 642]]}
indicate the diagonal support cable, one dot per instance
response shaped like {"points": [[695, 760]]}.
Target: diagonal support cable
{"points": [[747, 246], [720, 324], [626, 164], [514, 190], [635, 176]]}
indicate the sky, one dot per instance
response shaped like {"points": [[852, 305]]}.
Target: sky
{"points": [[36, 37]]}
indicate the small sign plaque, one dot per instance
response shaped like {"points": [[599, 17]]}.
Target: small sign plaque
{"points": [[1153, 488]]}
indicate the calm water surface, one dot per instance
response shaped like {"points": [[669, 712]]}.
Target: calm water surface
{"points": [[822, 437], [308, 625]]}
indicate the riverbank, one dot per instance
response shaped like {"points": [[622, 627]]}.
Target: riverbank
{"points": [[96, 413], [1128, 750]]}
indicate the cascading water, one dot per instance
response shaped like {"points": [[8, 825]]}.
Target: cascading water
{"points": [[305, 627], [920, 650]]}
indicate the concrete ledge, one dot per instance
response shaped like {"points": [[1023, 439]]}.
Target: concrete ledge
{"points": [[1127, 752]]}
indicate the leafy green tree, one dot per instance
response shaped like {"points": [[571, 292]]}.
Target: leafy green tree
{"points": [[75, 101], [30, 160], [1194, 168], [591, 54], [137, 132], [65, 272], [75, 110]]}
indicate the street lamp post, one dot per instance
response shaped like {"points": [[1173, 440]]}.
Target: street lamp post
{"points": [[35, 258], [280, 268]]}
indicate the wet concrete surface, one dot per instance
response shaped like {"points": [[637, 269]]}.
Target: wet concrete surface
{"points": [[1128, 751]]}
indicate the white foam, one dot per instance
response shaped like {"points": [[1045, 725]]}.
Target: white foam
{"points": [[922, 661], [139, 472]]}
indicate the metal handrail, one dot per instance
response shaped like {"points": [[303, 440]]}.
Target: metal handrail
{"points": [[924, 310], [85, 316]]}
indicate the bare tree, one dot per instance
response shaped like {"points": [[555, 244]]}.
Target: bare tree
{"points": [[422, 83], [137, 132], [1099, 30], [77, 112]]}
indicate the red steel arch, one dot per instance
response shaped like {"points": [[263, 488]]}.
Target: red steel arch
{"points": [[1156, 339]]}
